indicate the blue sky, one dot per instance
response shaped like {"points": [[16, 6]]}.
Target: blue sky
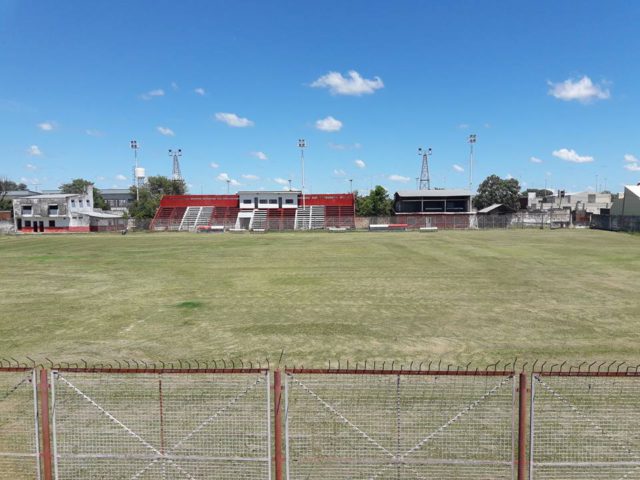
{"points": [[550, 88]]}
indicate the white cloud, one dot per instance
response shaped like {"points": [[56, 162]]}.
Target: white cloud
{"points": [[583, 90], [630, 158], [120, 177], [233, 120], [34, 151], [339, 172], [94, 133], [167, 132], [463, 126], [509, 176], [101, 178], [250, 176], [214, 165], [535, 160], [353, 84], [458, 168], [31, 167], [329, 124], [571, 156], [398, 178], [175, 86], [223, 177], [281, 181], [632, 167], [47, 126], [260, 155], [158, 92], [360, 163], [200, 91]]}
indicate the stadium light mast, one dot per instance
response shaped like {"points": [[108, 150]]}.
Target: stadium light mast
{"points": [[302, 144], [472, 142], [228, 183], [351, 186], [425, 180], [289, 184], [176, 174], [134, 147]]}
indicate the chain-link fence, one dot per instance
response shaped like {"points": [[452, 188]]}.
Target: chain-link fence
{"points": [[19, 443], [397, 425]]}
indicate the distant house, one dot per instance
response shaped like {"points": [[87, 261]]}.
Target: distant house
{"points": [[589, 202], [62, 213], [628, 204], [118, 199]]}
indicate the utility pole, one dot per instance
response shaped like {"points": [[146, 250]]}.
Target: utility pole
{"points": [[134, 147], [425, 181], [289, 184], [302, 144], [228, 183]]}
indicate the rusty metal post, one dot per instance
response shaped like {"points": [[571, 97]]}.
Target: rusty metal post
{"points": [[277, 408], [522, 427], [44, 423]]}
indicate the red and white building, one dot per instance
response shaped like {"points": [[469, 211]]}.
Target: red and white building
{"points": [[255, 210], [62, 213]]}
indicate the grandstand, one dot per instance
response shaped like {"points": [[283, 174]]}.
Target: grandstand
{"points": [[255, 210]]}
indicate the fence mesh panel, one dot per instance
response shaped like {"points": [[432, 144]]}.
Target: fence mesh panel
{"points": [[399, 426], [585, 427], [161, 426], [19, 448]]}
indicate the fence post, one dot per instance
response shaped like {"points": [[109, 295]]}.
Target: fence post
{"points": [[43, 385], [522, 427], [277, 397]]}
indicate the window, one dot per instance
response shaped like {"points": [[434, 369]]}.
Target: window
{"points": [[52, 223], [247, 201], [80, 202], [73, 203], [27, 223], [591, 198], [26, 210], [262, 201], [88, 203], [53, 210], [288, 201], [273, 201]]}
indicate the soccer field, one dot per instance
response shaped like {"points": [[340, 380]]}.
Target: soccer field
{"points": [[459, 296]]}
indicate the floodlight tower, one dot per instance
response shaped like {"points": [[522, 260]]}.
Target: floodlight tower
{"points": [[472, 142], [175, 174], [134, 147], [425, 180], [302, 144]]}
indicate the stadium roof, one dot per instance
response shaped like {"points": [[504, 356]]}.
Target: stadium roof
{"points": [[453, 192]]}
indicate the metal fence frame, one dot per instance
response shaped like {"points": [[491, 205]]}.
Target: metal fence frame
{"points": [[518, 414], [630, 373], [39, 455], [48, 376]]}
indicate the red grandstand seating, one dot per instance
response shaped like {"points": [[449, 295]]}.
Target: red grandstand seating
{"points": [[161, 219], [281, 219], [340, 216]]}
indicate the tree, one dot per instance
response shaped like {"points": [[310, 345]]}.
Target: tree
{"points": [[7, 186], [540, 192], [497, 190], [376, 204], [150, 194], [79, 186]]}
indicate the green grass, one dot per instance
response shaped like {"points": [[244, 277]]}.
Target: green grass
{"points": [[462, 296]]}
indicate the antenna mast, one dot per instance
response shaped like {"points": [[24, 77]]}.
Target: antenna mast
{"points": [[175, 174], [425, 181]]}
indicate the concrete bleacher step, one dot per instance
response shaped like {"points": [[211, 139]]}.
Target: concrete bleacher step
{"points": [[302, 218], [259, 220], [204, 217], [189, 219], [317, 217]]}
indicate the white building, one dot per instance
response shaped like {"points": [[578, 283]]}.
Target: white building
{"points": [[62, 213], [629, 202]]}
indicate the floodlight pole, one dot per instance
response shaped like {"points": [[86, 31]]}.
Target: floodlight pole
{"points": [[302, 144], [228, 183], [134, 147], [351, 186], [425, 179], [289, 184], [472, 142]]}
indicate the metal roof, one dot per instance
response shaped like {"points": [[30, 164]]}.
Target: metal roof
{"points": [[453, 192], [100, 214], [490, 207], [44, 196], [635, 189]]}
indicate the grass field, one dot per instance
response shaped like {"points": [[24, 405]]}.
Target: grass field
{"points": [[459, 296]]}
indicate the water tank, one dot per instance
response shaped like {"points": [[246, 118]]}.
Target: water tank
{"points": [[140, 173]]}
